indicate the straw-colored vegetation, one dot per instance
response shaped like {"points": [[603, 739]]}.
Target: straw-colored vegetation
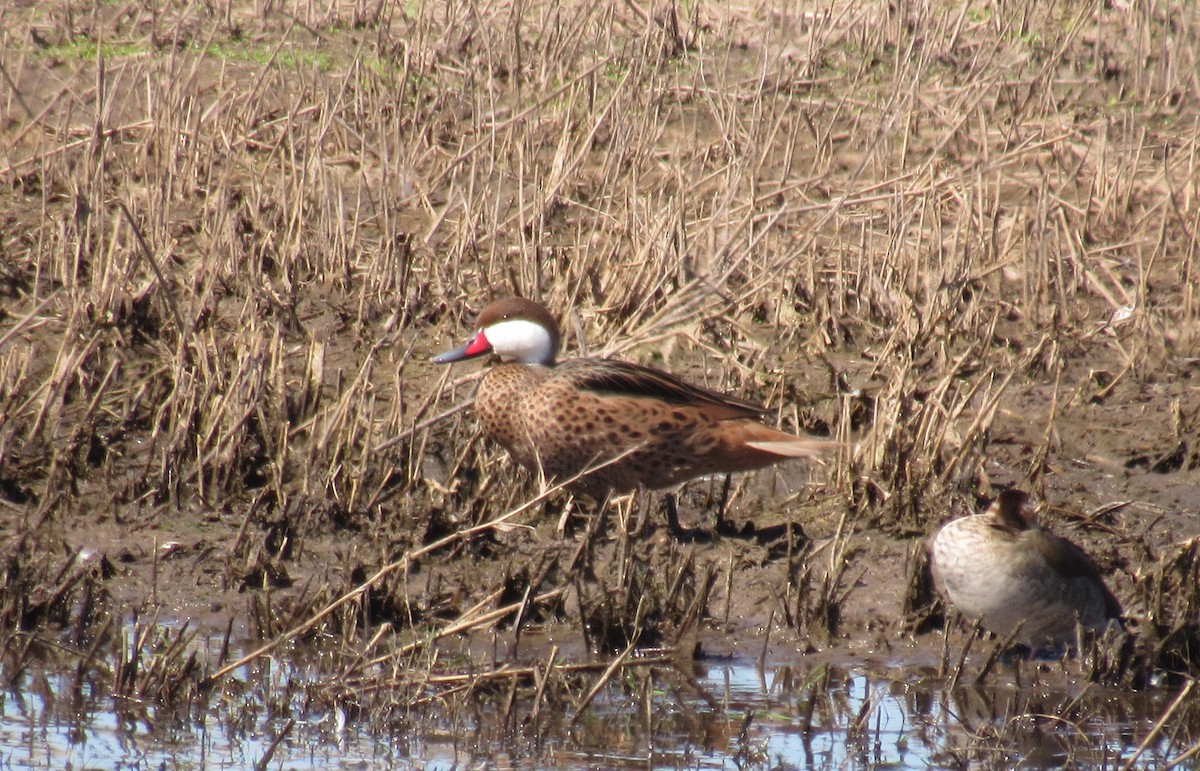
{"points": [[961, 238]]}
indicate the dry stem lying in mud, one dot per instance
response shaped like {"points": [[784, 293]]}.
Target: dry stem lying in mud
{"points": [[960, 239]]}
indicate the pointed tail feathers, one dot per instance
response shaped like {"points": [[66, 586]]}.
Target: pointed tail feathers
{"points": [[794, 448]]}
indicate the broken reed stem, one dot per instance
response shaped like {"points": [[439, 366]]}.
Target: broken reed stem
{"points": [[26, 320], [148, 256], [962, 657], [762, 656], [406, 433], [541, 677], [597, 686], [464, 624], [362, 588], [1190, 753], [403, 562], [1160, 724], [265, 761], [994, 654], [534, 673]]}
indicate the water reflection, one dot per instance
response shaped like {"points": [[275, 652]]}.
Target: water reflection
{"points": [[831, 717], [717, 715]]}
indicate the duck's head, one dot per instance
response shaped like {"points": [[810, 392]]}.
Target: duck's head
{"points": [[515, 329], [1014, 512]]}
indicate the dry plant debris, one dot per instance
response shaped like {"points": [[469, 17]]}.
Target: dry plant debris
{"points": [[959, 237]]}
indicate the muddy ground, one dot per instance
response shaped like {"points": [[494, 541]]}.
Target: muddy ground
{"points": [[1109, 485], [960, 239]]}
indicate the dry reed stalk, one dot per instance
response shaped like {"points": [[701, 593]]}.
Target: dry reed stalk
{"points": [[1159, 725], [404, 563]]}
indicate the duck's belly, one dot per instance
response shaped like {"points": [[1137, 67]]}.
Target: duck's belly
{"points": [[1000, 581]]}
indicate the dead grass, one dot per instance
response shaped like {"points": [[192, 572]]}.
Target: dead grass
{"points": [[960, 238]]}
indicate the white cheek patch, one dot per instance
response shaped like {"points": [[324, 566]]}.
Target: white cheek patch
{"points": [[521, 340]]}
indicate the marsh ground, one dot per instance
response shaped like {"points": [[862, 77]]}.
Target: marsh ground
{"points": [[959, 237]]}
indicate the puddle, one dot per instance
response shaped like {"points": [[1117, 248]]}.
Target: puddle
{"points": [[719, 715], [860, 719]]}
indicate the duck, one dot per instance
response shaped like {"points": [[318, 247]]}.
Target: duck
{"points": [[608, 426], [1019, 580]]}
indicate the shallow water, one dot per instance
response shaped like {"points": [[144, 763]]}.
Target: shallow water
{"points": [[726, 714]]}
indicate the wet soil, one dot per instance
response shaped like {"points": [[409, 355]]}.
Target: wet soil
{"points": [[1115, 482]]}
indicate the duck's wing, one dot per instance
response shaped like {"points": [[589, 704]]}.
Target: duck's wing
{"points": [[1073, 562], [609, 376]]}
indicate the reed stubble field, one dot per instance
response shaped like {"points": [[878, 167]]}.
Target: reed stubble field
{"points": [[959, 238]]}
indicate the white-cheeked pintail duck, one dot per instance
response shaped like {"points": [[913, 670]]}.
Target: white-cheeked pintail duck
{"points": [[1002, 568], [562, 418]]}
